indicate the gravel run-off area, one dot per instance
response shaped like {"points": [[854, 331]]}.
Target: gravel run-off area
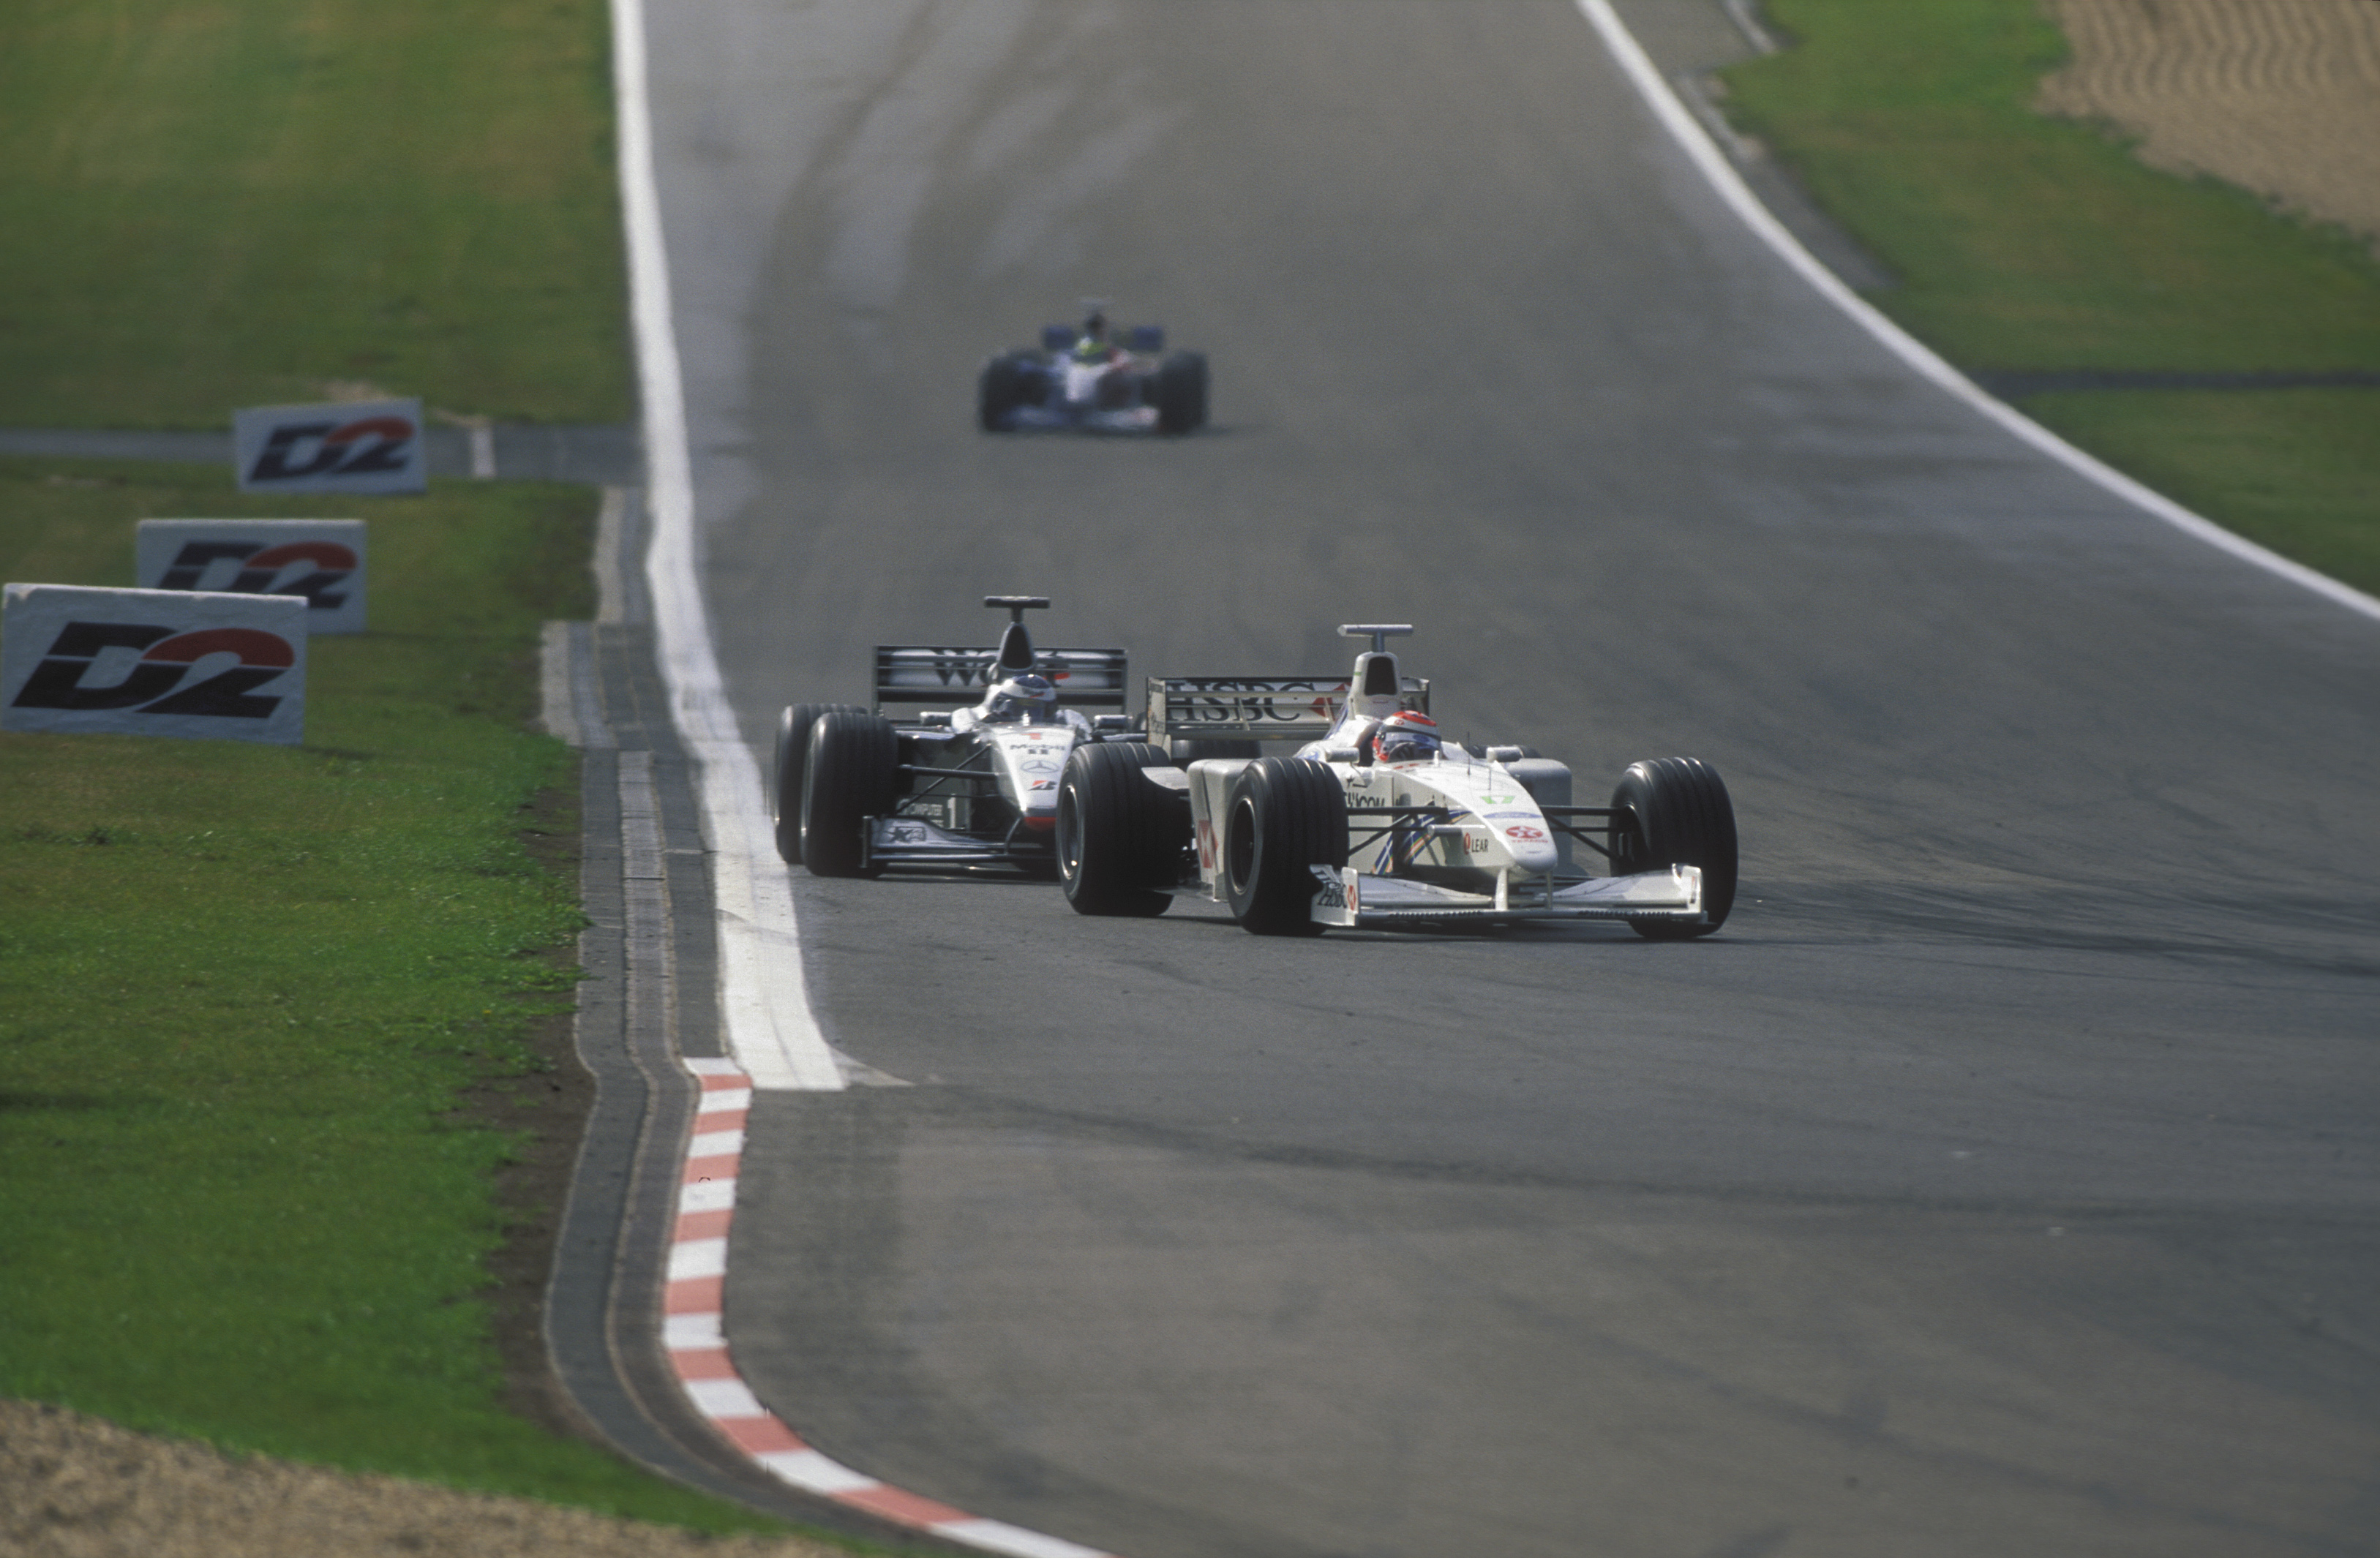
{"points": [[77, 1486], [2281, 97]]}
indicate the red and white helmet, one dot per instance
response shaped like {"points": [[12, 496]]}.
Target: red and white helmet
{"points": [[1406, 738]]}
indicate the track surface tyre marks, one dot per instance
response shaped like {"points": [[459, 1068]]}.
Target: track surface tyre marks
{"points": [[853, 760], [793, 758], [1285, 815], [1120, 837], [1683, 816]]}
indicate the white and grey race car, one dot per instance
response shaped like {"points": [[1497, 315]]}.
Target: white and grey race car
{"points": [[853, 792], [1378, 820]]}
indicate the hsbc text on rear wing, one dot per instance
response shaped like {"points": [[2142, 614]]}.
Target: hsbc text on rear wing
{"points": [[945, 677], [1256, 708]]}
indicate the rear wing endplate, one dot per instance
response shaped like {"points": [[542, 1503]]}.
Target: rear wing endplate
{"points": [[947, 677], [1257, 707]]}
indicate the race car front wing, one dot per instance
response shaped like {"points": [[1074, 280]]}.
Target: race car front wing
{"points": [[1350, 897], [899, 840]]}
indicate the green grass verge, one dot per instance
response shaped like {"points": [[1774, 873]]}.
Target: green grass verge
{"points": [[242, 988], [205, 205], [2294, 470], [2026, 242]]}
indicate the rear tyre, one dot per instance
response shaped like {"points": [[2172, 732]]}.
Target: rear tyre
{"points": [[853, 760], [1190, 749], [1285, 816], [786, 781], [1120, 837], [1675, 811], [1180, 392]]}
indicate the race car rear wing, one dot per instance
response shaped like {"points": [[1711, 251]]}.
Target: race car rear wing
{"points": [[1257, 707], [921, 673]]}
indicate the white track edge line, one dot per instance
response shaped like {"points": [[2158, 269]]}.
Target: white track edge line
{"points": [[764, 1000], [1731, 188]]}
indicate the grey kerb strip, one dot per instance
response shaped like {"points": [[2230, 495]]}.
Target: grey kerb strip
{"points": [[650, 996]]}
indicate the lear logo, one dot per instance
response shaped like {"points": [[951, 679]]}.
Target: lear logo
{"points": [[363, 447], [153, 682], [261, 565]]}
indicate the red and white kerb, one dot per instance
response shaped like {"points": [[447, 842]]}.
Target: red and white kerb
{"points": [[697, 1345]]}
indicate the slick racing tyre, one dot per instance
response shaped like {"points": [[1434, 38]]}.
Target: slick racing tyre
{"points": [[1005, 384], [1120, 836], [1285, 816], [785, 778], [1675, 811], [853, 760], [1180, 392]]}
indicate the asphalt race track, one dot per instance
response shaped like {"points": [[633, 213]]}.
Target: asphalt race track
{"points": [[2004, 1180]]}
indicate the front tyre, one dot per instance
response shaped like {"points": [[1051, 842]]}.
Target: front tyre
{"points": [[785, 784], [1675, 811], [853, 761], [1180, 392], [1120, 836], [1285, 816], [1003, 386]]}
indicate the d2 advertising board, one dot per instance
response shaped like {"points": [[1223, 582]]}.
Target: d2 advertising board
{"points": [[368, 446], [193, 664], [321, 559]]}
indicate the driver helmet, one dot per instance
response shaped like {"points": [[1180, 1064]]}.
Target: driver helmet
{"points": [[1028, 697], [1093, 346], [1406, 738]]}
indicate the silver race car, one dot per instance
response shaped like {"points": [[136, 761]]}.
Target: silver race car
{"points": [[1377, 820], [855, 792], [1093, 379]]}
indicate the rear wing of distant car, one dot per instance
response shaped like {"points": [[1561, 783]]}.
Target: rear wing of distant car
{"points": [[1256, 708], [946, 677]]}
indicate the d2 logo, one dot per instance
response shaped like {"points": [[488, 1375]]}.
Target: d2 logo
{"points": [[375, 447], [357, 448], [200, 664], [321, 559], [262, 565], [153, 684]]}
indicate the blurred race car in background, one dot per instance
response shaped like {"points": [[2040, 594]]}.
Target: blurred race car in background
{"points": [[1094, 377], [853, 792], [1377, 819]]}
